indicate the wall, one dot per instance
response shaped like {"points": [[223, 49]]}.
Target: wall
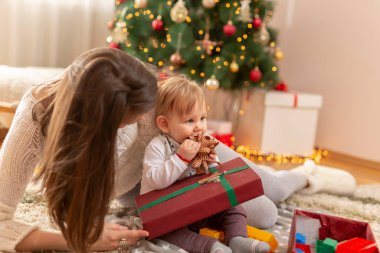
{"points": [[333, 48]]}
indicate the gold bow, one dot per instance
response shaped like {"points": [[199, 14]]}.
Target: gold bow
{"points": [[202, 159]]}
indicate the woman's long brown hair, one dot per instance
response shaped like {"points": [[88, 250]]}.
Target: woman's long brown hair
{"points": [[80, 119]]}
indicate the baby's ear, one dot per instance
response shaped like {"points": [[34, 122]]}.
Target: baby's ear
{"points": [[163, 124]]}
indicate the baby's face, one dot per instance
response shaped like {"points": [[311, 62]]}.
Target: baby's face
{"points": [[188, 125]]}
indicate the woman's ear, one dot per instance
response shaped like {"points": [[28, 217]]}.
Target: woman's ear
{"points": [[163, 124]]}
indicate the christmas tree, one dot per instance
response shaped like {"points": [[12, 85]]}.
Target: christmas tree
{"points": [[222, 43]]}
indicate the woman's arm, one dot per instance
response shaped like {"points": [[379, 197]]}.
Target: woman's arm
{"points": [[112, 234], [41, 240], [18, 158]]}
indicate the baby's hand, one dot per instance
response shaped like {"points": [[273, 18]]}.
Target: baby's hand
{"points": [[188, 149]]}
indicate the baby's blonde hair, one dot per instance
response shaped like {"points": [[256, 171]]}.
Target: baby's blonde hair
{"points": [[178, 94]]}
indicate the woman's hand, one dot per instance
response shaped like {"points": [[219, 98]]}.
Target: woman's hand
{"points": [[188, 149], [113, 234]]}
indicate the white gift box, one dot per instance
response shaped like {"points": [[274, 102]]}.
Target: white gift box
{"points": [[279, 122], [219, 127]]}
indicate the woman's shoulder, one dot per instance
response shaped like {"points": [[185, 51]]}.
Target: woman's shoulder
{"points": [[39, 91]]}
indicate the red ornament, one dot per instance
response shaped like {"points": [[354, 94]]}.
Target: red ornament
{"points": [[120, 1], [157, 24], [255, 75], [229, 29], [163, 76], [281, 87], [114, 45], [256, 22]]}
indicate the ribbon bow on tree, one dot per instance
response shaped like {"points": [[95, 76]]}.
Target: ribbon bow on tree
{"points": [[206, 154]]}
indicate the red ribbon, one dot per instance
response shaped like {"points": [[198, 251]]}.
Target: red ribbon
{"points": [[295, 103]]}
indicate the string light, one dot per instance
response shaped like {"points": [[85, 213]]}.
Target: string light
{"points": [[255, 155]]}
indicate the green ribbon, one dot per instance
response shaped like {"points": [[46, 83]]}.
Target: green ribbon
{"points": [[226, 185]]}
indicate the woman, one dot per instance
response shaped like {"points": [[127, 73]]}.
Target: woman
{"points": [[71, 128]]}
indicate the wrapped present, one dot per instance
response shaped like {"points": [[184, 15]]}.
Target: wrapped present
{"points": [[318, 228], [198, 197], [269, 121], [226, 139]]}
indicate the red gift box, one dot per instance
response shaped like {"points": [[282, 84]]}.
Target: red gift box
{"points": [[333, 227], [226, 139], [197, 200]]}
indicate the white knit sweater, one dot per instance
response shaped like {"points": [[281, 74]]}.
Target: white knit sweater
{"points": [[20, 153]]}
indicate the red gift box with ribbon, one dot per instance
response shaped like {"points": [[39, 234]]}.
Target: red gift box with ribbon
{"points": [[198, 197], [317, 226]]}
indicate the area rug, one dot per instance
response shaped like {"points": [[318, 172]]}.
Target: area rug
{"points": [[363, 206]]}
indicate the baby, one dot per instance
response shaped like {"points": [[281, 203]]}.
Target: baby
{"points": [[182, 118]]}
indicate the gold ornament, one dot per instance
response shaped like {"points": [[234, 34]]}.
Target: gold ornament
{"points": [[245, 11], [212, 83], [141, 3], [206, 43], [264, 34], [179, 12], [119, 33], [176, 58], [208, 4], [234, 67], [278, 54]]}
